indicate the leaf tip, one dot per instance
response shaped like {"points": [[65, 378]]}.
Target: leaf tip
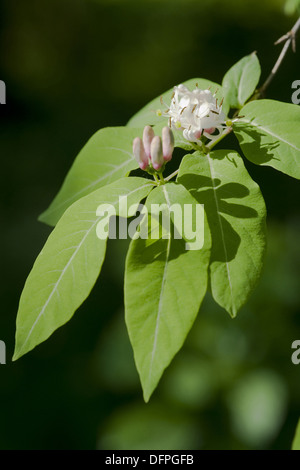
{"points": [[16, 356], [148, 389], [43, 218], [233, 312], [147, 395]]}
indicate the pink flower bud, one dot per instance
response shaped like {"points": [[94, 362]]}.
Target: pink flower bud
{"points": [[211, 130], [198, 135], [167, 143], [157, 153], [139, 153], [148, 135]]}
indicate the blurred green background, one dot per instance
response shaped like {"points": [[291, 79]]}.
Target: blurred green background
{"points": [[72, 67]]}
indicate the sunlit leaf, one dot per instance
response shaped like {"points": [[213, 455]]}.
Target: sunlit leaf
{"points": [[164, 286], [69, 264], [104, 159], [269, 135], [236, 215], [240, 81]]}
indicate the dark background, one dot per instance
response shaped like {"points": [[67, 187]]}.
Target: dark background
{"points": [[72, 67]]}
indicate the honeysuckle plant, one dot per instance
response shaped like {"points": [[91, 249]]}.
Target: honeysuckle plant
{"points": [[165, 283]]}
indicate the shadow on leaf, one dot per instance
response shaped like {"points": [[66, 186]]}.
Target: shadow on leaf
{"points": [[153, 249], [212, 194], [256, 151]]}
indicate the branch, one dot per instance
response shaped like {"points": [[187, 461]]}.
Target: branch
{"points": [[290, 39]]}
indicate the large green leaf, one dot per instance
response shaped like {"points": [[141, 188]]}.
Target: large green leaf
{"points": [[164, 287], [240, 82], [104, 159], [69, 264], [236, 215], [148, 116], [269, 134]]}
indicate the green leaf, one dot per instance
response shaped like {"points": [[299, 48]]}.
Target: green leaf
{"points": [[164, 286], [296, 441], [69, 264], [240, 82], [148, 116], [236, 215], [104, 159], [269, 135]]}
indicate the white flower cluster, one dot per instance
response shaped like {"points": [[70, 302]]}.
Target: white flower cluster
{"points": [[197, 113]]}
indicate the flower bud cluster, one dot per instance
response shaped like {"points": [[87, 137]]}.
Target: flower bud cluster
{"points": [[153, 151]]}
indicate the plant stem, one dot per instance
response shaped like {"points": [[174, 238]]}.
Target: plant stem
{"points": [[224, 134], [155, 177], [161, 177], [172, 175], [289, 38], [205, 149]]}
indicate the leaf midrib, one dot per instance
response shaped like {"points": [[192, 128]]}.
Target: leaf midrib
{"points": [[161, 291], [240, 87], [57, 284], [268, 131], [212, 175], [107, 175], [68, 265]]}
